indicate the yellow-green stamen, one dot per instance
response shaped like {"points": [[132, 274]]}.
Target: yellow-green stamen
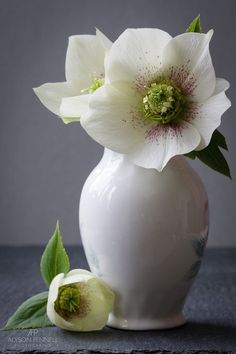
{"points": [[94, 86], [68, 300], [163, 102]]}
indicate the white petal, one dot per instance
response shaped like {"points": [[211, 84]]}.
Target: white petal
{"points": [[52, 296], [55, 284], [105, 42], [110, 120], [100, 302], [163, 143], [60, 322], [221, 85], [84, 60], [77, 275], [208, 117], [73, 108], [79, 272], [188, 59], [51, 94], [135, 56]]}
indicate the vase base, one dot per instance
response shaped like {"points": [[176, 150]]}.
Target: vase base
{"points": [[144, 325]]}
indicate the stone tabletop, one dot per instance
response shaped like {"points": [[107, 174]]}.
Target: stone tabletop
{"points": [[210, 311]]}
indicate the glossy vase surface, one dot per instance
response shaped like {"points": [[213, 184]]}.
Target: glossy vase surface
{"points": [[144, 234]]}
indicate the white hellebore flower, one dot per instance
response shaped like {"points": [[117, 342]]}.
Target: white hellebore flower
{"points": [[84, 71], [161, 97], [79, 301]]}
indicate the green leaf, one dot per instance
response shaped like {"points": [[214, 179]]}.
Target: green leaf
{"points": [[195, 25], [219, 139], [67, 120], [30, 314], [199, 246], [54, 259], [191, 155], [213, 157]]}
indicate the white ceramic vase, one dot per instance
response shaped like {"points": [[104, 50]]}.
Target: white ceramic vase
{"points": [[144, 234]]}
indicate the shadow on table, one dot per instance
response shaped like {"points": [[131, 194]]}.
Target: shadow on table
{"points": [[206, 332], [195, 334]]}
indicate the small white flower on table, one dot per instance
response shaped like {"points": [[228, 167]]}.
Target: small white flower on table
{"points": [[79, 301]]}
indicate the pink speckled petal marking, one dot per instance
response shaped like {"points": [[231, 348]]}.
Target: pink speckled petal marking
{"points": [[162, 142], [135, 55], [187, 61], [112, 120]]}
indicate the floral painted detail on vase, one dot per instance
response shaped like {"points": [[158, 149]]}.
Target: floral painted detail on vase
{"points": [[198, 247], [193, 270]]}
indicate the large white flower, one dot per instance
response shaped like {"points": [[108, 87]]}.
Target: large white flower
{"points": [[84, 71], [160, 98], [79, 301]]}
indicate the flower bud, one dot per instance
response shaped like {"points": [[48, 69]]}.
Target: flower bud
{"points": [[79, 301]]}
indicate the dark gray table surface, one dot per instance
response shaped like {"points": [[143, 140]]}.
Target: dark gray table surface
{"points": [[210, 311]]}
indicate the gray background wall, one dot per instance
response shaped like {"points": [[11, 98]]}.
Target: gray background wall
{"points": [[44, 163]]}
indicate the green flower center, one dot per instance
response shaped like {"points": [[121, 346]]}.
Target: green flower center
{"points": [[163, 102], [68, 299], [95, 85]]}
